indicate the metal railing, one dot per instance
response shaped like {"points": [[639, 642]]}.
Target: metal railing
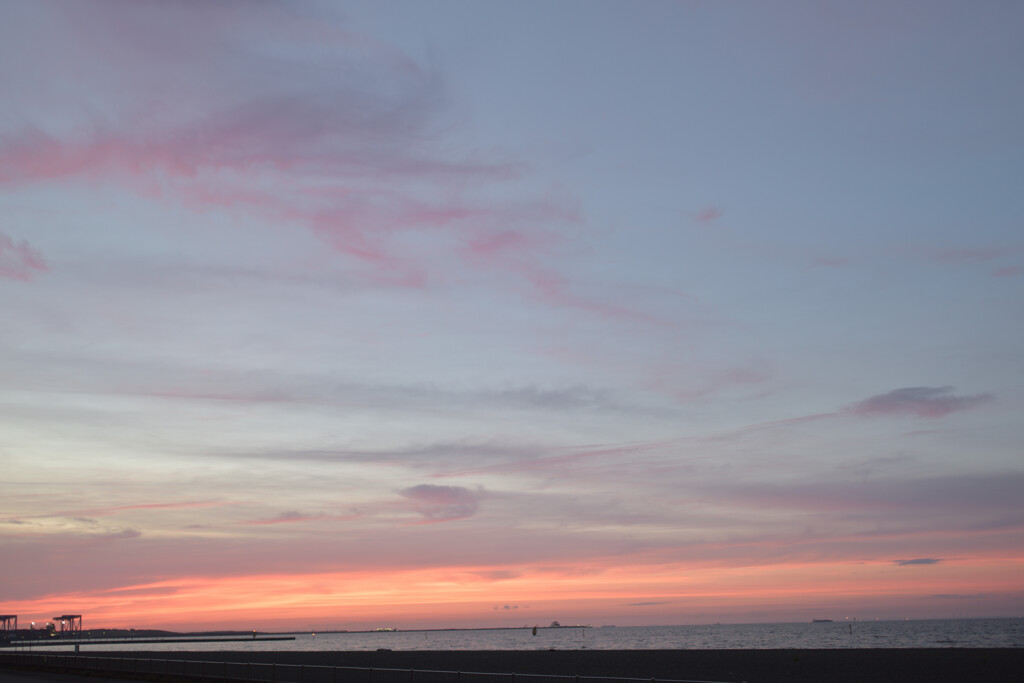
{"points": [[265, 672]]}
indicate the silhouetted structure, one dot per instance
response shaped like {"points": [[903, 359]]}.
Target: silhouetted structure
{"points": [[8, 622], [70, 624]]}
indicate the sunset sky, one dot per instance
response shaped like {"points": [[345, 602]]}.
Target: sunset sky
{"points": [[458, 313]]}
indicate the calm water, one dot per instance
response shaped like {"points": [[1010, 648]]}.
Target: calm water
{"points": [[863, 634]]}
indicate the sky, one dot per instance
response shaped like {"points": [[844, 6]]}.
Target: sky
{"points": [[454, 314]]}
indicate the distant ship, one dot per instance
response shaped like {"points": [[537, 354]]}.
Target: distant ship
{"points": [[821, 621]]}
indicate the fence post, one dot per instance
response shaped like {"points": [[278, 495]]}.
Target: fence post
{"points": [[273, 672], [302, 673]]}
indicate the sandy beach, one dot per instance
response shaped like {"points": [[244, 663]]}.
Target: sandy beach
{"points": [[923, 665]]}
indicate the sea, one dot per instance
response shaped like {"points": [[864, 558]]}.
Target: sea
{"points": [[927, 633]]}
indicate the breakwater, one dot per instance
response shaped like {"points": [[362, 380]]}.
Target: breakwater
{"points": [[79, 642]]}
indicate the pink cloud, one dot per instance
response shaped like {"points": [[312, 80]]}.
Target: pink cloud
{"points": [[918, 402], [542, 460], [287, 517], [109, 511], [969, 254], [353, 153], [971, 502], [954, 256], [294, 516], [555, 289], [926, 402], [19, 261], [687, 382], [443, 503], [917, 561], [293, 136], [120, 535], [138, 591], [349, 180], [525, 253], [1008, 271], [509, 240], [269, 144], [493, 243], [151, 506], [708, 215]]}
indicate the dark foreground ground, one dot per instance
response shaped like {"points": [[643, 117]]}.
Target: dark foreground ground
{"points": [[926, 665]]}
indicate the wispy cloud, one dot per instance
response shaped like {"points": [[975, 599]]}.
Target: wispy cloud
{"points": [[918, 402], [297, 517], [443, 503], [352, 150], [708, 215], [286, 517], [144, 590], [977, 501], [557, 290], [546, 459], [962, 255], [120, 535], [1008, 271], [86, 515], [917, 561], [18, 260], [175, 382], [325, 165], [498, 574], [692, 382]]}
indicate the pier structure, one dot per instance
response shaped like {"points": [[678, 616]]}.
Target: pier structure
{"points": [[70, 624], [8, 622]]}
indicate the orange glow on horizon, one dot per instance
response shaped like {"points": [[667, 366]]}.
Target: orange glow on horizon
{"points": [[456, 596]]}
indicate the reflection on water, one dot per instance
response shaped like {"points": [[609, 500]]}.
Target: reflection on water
{"points": [[861, 634]]}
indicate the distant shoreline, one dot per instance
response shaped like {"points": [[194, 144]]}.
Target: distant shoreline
{"points": [[130, 635], [37, 638], [438, 630]]}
